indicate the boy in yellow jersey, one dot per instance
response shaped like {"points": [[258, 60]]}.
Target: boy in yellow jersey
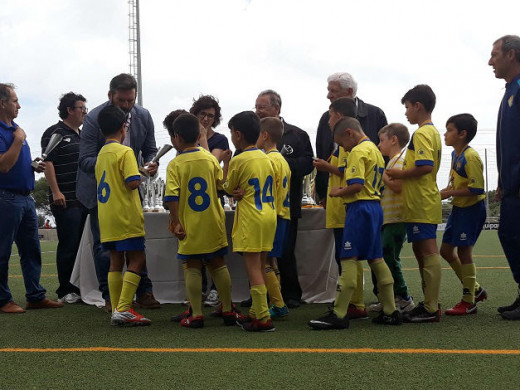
{"points": [[363, 223], [335, 207], [121, 219], [254, 226], [393, 138], [421, 199], [271, 131], [197, 217], [466, 187]]}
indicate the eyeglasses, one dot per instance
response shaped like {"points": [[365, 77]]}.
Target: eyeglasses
{"points": [[261, 108], [83, 109], [203, 115]]}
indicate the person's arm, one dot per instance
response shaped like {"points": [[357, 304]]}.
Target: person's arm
{"points": [[226, 157], [346, 191], [203, 139], [133, 184], [324, 166], [88, 145], [149, 148], [10, 157], [57, 196], [403, 174], [395, 185], [175, 224], [301, 163], [449, 192]]}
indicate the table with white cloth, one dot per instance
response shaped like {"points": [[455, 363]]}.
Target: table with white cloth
{"points": [[317, 269]]}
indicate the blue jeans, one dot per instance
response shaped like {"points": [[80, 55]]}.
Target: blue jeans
{"points": [[20, 224], [69, 226], [102, 262]]}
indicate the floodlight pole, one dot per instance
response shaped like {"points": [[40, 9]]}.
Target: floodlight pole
{"points": [[134, 43]]}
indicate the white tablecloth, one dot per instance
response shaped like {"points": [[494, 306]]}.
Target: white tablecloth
{"points": [[317, 268]]}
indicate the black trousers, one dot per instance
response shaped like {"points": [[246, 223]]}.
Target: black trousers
{"points": [[287, 265]]}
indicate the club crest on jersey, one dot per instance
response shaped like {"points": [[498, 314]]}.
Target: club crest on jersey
{"points": [[353, 170], [66, 139], [510, 101], [421, 151]]}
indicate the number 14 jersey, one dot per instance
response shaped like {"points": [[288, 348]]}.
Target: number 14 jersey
{"points": [[191, 179]]}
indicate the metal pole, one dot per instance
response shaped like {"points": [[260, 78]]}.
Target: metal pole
{"points": [[139, 76], [487, 188]]}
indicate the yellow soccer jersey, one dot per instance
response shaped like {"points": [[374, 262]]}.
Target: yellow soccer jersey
{"points": [[254, 226], [335, 211], [391, 202], [365, 165], [119, 209], [282, 181], [421, 197], [467, 171], [191, 180]]}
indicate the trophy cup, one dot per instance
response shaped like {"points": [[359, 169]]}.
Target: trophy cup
{"points": [[146, 194], [307, 199], [164, 149], [53, 142]]}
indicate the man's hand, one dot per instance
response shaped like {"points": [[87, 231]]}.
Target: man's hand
{"points": [[152, 168], [19, 134], [41, 165], [226, 156], [498, 195], [320, 164], [58, 199], [335, 192], [238, 194]]}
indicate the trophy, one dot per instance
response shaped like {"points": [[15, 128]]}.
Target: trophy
{"points": [[146, 194], [159, 188], [53, 142], [164, 149], [308, 181]]}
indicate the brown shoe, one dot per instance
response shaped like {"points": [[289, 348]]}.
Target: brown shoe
{"points": [[147, 301], [11, 308], [45, 303], [108, 307]]}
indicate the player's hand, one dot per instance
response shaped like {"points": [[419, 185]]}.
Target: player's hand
{"points": [[179, 232], [41, 165], [498, 194], [335, 192], [171, 226], [323, 203], [19, 134], [238, 194], [320, 164], [445, 193], [58, 199], [152, 168], [394, 173], [226, 156]]}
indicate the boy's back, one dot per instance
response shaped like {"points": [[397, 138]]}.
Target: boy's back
{"points": [[282, 180], [119, 209], [422, 200], [192, 180]]}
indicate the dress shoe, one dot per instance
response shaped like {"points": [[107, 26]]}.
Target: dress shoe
{"points": [[11, 308], [292, 303], [147, 301], [247, 302], [45, 303]]}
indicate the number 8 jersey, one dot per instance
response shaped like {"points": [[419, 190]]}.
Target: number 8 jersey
{"points": [[191, 180], [119, 209]]}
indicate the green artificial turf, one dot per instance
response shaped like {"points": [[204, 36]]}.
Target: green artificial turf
{"points": [[81, 326]]}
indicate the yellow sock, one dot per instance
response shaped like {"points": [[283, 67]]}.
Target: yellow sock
{"points": [[347, 284], [358, 298], [277, 273], [421, 272], [469, 276], [385, 286], [115, 285], [259, 305], [130, 284], [432, 282], [194, 290], [222, 281], [457, 267], [273, 287]]}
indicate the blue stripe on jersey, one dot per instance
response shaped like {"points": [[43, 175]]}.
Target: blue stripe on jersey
{"points": [[132, 178], [477, 191], [341, 169], [419, 163], [189, 151], [355, 181], [171, 198]]}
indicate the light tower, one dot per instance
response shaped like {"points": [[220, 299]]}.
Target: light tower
{"points": [[134, 45]]}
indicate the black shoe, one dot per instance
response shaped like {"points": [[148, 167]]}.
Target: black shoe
{"points": [[392, 319], [292, 303], [513, 315], [420, 314], [179, 317], [329, 321], [247, 302], [515, 305]]}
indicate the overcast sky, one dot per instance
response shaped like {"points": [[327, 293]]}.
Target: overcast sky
{"points": [[235, 48]]}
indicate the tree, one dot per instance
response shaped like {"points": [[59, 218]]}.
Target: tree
{"points": [[41, 197]]}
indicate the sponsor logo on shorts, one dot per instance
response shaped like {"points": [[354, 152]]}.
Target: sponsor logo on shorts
{"points": [[416, 230], [463, 236], [347, 246]]}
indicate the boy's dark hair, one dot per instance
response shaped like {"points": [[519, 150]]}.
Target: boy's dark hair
{"points": [[123, 82], [423, 94], [464, 122], [347, 123], [111, 119], [187, 126], [170, 118], [273, 127], [69, 100], [344, 106], [248, 123], [399, 130], [203, 103]]}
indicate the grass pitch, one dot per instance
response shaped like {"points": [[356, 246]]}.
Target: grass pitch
{"points": [[480, 351]]}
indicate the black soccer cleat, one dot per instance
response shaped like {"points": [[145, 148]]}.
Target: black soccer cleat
{"points": [[329, 321]]}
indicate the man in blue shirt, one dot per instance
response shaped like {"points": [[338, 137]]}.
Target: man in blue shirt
{"points": [[17, 208], [505, 60]]}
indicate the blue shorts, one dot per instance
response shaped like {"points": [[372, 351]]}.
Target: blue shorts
{"points": [[362, 232], [465, 224], [204, 256], [130, 244], [280, 237], [416, 231]]}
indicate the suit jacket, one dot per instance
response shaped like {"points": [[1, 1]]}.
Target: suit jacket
{"points": [[372, 119], [142, 141]]}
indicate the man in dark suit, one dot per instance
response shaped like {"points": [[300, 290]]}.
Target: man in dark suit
{"points": [[141, 138]]}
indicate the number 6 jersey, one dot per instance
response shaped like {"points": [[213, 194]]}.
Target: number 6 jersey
{"points": [[191, 180]]}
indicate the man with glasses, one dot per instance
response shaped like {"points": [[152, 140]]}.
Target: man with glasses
{"points": [[141, 138], [60, 172]]}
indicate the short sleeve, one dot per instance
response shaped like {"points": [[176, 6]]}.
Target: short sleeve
{"points": [[355, 171], [173, 189], [129, 166], [423, 149], [475, 174]]}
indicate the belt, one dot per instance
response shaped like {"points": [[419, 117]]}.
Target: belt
{"points": [[16, 191]]}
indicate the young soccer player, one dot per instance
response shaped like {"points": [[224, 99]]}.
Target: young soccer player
{"points": [[197, 217], [271, 130], [392, 140], [421, 199], [255, 216], [466, 187], [335, 206], [363, 222], [121, 219]]}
